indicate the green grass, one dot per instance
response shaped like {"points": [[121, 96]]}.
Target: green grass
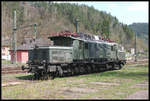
{"points": [[54, 89], [6, 62], [9, 62]]}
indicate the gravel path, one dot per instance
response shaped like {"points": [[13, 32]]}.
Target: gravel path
{"points": [[142, 94]]}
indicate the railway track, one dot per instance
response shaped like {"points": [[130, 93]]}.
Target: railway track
{"points": [[11, 70], [137, 62], [14, 70]]}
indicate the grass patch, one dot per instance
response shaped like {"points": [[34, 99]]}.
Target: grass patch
{"points": [[54, 89], [9, 62], [6, 62]]}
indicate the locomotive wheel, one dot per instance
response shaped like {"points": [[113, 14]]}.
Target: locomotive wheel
{"points": [[82, 69], [86, 69], [69, 72], [76, 71], [45, 77], [102, 68], [112, 66], [107, 66], [120, 65], [72, 71], [51, 76], [97, 69], [57, 73], [89, 69], [116, 67], [36, 77], [60, 71], [79, 70], [92, 69]]}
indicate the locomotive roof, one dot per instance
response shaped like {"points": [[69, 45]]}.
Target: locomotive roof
{"points": [[54, 47], [80, 36]]}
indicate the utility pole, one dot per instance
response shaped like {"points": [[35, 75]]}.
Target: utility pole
{"points": [[77, 20], [14, 46], [135, 49], [14, 39]]}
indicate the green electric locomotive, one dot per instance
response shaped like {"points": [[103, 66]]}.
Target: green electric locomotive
{"points": [[74, 54]]}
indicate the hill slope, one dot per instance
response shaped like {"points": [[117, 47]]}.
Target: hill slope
{"points": [[141, 30], [54, 17]]}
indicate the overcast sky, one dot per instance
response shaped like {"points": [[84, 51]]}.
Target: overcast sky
{"points": [[126, 12]]}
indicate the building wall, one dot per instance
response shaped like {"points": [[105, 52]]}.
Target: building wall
{"points": [[19, 56], [5, 53], [132, 51], [22, 56]]}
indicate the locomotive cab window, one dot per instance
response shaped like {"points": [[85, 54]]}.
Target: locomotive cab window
{"points": [[62, 41]]}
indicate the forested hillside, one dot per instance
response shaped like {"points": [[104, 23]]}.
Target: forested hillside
{"points": [[54, 17], [141, 30]]}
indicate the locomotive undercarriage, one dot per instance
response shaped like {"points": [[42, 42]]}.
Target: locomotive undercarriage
{"points": [[49, 71]]}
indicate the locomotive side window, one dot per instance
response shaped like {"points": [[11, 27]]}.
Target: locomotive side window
{"points": [[112, 48], [96, 47], [86, 45], [80, 44]]}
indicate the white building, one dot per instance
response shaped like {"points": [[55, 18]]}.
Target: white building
{"points": [[132, 51]]}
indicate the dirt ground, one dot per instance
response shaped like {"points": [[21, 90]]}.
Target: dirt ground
{"points": [[82, 89], [143, 94]]}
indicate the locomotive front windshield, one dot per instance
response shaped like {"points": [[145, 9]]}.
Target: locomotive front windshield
{"points": [[39, 55]]}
